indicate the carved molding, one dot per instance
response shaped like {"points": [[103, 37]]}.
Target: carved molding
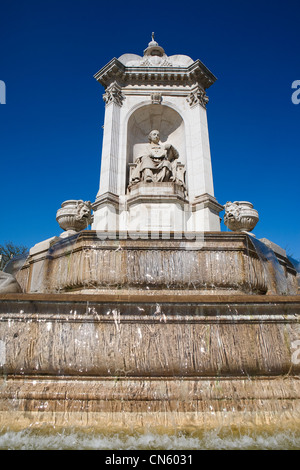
{"points": [[155, 61], [198, 96], [195, 73], [113, 94]]}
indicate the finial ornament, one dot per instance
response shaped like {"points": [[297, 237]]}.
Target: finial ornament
{"points": [[153, 48], [152, 42]]}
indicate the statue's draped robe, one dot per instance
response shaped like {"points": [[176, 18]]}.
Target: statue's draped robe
{"points": [[157, 163]]}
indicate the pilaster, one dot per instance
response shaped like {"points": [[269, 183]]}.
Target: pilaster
{"points": [[110, 149], [199, 169]]}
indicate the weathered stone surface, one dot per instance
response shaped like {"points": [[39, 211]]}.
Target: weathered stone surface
{"points": [[148, 337], [216, 263], [138, 361], [133, 405]]}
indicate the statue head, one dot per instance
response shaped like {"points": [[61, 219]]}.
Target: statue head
{"points": [[154, 136]]}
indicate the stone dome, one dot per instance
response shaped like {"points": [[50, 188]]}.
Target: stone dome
{"points": [[155, 56]]}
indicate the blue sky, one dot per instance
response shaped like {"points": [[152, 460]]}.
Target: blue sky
{"points": [[51, 125]]}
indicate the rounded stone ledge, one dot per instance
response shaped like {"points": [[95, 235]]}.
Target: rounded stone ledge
{"points": [[84, 339], [126, 405], [153, 297]]}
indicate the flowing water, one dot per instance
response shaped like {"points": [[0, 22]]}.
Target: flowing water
{"points": [[45, 439], [274, 272]]}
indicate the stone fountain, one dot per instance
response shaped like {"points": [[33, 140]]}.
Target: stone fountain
{"points": [[154, 318]]}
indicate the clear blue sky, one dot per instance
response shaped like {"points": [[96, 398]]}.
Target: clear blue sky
{"points": [[50, 128]]}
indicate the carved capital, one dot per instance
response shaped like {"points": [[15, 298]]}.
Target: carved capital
{"points": [[198, 96], [113, 94]]}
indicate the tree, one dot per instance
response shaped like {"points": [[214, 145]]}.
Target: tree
{"points": [[9, 250]]}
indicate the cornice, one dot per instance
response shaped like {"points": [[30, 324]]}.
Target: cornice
{"points": [[115, 70], [206, 200]]}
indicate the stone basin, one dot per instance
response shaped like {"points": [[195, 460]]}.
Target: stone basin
{"points": [[207, 263], [138, 362]]}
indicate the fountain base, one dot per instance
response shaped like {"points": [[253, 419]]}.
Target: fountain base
{"points": [[157, 405], [141, 363], [206, 262]]}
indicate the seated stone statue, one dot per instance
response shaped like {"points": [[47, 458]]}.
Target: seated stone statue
{"points": [[158, 162]]}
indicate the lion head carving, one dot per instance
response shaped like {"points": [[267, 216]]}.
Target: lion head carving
{"points": [[232, 212], [83, 212], [240, 216]]}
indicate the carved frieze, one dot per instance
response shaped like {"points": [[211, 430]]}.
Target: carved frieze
{"points": [[155, 61]]}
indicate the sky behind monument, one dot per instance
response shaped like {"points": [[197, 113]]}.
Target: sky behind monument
{"points": [[51, 124]]}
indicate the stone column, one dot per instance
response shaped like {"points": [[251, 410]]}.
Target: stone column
{"points": [[110, 148], [203, 204], [199, 170]]}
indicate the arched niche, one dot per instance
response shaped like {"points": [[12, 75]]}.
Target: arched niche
{"points": [[153, 116]]}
